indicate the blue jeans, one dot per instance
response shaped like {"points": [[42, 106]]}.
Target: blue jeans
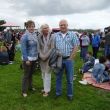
{"points": [[107, 50], [68, 66]]}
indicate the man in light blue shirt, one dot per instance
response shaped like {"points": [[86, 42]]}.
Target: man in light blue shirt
{"points": [[67, 43]]}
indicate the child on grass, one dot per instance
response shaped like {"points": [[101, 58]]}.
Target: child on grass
{"points": [[88, 64]]}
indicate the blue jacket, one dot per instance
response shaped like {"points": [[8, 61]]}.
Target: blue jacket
{"points": [[95, 40], [29, 45]]}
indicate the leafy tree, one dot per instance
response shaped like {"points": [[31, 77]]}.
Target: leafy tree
{"points": [[1, 23]]}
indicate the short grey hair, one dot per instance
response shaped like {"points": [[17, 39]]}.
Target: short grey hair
{"points": [[43, 26], [64, 20]]}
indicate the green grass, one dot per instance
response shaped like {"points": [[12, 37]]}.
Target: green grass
{"points": [[85, 97]]}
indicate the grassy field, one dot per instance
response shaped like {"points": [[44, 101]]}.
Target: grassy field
{"points": [[85, 97]]}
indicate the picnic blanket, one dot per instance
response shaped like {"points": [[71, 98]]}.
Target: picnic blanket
{"points": [[91, 81]]}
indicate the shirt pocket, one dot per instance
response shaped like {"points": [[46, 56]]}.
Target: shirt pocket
{"points": [[58, 42], [68, 41]]}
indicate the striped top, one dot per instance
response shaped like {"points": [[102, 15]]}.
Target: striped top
{"points": [[66, 44]]}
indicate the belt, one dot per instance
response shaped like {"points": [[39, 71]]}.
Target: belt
{"points": [[66, 57]]}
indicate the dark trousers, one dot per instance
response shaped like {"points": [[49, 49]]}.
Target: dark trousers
{"points": [[107, 50], [95, 51], [84, 51], [86, 67], [27, 78], [11, 52], [11, 56]]}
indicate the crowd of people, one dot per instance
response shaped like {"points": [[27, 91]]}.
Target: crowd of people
{"points": [[56, 51], [9, 43], [98, 67]]}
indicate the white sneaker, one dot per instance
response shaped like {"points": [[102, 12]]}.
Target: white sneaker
{"points": [[24, 95], [10, 62], [84, 82], [90, 70]]}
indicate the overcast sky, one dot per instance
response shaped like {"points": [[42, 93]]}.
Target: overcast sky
{"points": [[79, 13]]}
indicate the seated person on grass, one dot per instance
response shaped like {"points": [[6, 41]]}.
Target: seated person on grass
{"points": [[99, 73], [3, 55], [88, 64], [11, 51]]}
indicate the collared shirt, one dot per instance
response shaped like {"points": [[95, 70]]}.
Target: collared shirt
{"points": [[66, 45], [63, 35]]}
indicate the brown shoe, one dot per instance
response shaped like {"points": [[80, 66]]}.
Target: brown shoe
{"points": [[45, 94]]}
